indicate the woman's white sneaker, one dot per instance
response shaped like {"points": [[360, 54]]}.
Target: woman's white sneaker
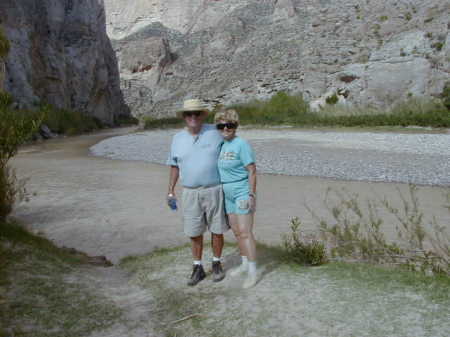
{"points": [[250, 281], [241, 269]]}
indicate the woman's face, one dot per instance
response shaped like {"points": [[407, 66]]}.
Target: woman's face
{"points": [[227, 129]]}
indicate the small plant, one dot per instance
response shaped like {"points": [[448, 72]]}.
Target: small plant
{"points": [[301, 249], [437, 45], [161, 123], [4, 45], [332, 100], [357, 234], [68, 122], [124, 120], [402, 52], [429, 35], [383, 18], [445, 95], [408, 16], [16, 127]]}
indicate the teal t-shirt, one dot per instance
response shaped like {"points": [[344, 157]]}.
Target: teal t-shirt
{"points": [[234, 156]]}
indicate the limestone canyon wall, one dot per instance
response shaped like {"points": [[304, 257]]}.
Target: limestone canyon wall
{"points": [[60, 54], [229, 51]]}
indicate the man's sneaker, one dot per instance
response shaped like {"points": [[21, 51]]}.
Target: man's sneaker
{"points": [[217, 271], [198, 274], [241, 269], [250, 281]]}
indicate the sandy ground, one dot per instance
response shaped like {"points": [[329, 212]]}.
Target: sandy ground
{"points": [[116, 208]]}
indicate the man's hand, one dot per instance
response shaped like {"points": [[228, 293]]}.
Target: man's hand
{"points": [[172, 201]]}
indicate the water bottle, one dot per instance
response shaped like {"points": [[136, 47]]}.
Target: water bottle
{"points": [[172, 202]]}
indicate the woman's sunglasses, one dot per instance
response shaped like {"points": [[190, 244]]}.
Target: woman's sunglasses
{"points": [[222, 126], [192, 113]]}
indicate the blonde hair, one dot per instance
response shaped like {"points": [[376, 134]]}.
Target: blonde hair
{"points": [[228, 115]]}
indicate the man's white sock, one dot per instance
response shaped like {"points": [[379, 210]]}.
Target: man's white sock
{"points": [[215, 259], [251, 267], [244, 261], [197, 262]]}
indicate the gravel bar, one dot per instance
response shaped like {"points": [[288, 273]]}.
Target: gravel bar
{"points": [[417, 158]]}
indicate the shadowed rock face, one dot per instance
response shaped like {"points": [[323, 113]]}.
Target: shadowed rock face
{"points": [[237, 50], [60, 54]]}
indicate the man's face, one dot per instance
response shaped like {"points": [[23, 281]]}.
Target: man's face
{"points": [[193, 119]]}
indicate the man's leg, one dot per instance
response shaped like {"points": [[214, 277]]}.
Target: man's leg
{"points": [[217, 243], [197, 247], [198, 272]]}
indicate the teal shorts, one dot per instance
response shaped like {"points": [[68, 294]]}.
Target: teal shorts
{"points": [[237, 197]]}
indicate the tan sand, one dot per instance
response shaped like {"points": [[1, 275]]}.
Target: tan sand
{"points": [[117, 208]]}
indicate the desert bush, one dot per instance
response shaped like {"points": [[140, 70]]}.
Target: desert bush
{"points": [[67, 121], [124, 120], [149, 122], [294, 110], [445, 95], [332, 100], [281, 108], [301, 248], [357, 235], [16, 127], [4, 44], [414, 111]]}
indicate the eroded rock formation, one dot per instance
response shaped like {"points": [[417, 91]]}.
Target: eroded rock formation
{"points": [[236, 50], [60, 54]]}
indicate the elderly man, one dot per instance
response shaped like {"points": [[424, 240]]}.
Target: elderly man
{"points": [[193, 158]]}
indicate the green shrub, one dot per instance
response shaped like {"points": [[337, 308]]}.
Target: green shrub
{"points": [[4, 44], [332, 100], [6, 100], [302, 250], [281, 108], [445, 96], [16, 127], [161, 123], [438, 45], [66, 121], [357, 234], [124, 120]]}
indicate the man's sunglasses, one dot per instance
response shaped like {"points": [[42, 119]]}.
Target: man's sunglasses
{"points": [[222, 126], [192, 113]]}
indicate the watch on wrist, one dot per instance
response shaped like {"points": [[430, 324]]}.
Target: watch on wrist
{"points": [[252, 194]]}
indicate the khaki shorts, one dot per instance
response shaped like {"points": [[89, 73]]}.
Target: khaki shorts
{"points": [[202, 208]]}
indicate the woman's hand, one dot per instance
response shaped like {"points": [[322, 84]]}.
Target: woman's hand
{"points": [[252, 203]]}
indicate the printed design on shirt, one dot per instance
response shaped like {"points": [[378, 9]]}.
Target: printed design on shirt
{"points": [[228, 156]]}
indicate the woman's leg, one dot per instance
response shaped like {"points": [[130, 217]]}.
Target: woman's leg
{"points": [[247, 240], [248, 243], [242, 268]]}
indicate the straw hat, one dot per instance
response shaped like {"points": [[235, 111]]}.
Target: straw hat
{"points": [[192, 105]]}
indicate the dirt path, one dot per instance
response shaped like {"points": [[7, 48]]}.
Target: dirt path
{"points": [[116, 208]]}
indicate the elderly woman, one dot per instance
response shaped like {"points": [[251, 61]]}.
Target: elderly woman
{"points": [[238, 175]]}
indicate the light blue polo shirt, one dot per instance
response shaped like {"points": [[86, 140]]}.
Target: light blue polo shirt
{"points": [[235, 155], [196, 156]]}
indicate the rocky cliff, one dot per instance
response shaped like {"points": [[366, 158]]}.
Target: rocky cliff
{"points": [[60, 54], [229, 51]]}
